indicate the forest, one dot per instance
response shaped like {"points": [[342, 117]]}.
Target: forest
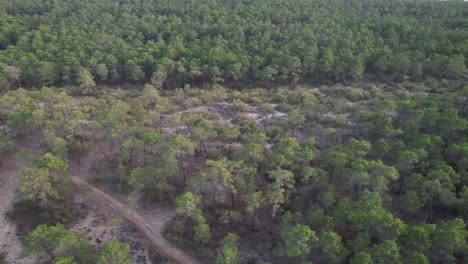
{"points": [[233, 132], [239, 42]]}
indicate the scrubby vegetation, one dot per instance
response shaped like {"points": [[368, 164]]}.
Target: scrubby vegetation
{"points": [[279, 131], [67, 247], [377, 172]]}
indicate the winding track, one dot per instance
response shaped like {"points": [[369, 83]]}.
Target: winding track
{"points": [[105, 201]]}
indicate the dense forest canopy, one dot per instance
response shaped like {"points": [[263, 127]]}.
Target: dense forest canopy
{"points": [[178, 42]]}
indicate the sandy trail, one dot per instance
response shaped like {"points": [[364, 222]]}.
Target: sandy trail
{"points": [[152, 234], [10, 179]]}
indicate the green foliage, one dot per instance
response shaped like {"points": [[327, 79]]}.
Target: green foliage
{"points": [[418, 238], [202, 232], [37, 186], [449, 238], [336, 42], [415, 258], [371, 216], [298, 239], [47, 181], [332, 247], [56, 242], [378, 171], [187, 205], [64, 246], [114, 252], [361, 258], [64, 260], [85, 80], [229, 253], [386, 252], [4, 144], [280, 189]]}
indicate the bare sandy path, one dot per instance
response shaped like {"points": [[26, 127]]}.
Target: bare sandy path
{"points": [[153, 234], [10, 178]]}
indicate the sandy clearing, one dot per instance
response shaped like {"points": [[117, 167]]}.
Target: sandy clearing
{"points": [[153, 234]]}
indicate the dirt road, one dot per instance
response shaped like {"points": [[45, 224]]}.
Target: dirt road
{"points": [[154, 236]]}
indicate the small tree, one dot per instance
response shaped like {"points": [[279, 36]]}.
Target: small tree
{"points": [[115, 252], [332, 247], [297, 241], [229, 253], [280, 189], [48, 179], [386, 253], [361, 258], [85, 81], [13, 74], [56, 241], [253, 202], [187, 205]]}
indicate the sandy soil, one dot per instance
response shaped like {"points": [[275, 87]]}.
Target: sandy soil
{"points": [[153, 234], [98, 228], [95, 224], [10, 178]]}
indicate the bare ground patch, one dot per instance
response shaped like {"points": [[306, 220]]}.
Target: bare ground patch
{"points": [[98, 228], [10, 178]]}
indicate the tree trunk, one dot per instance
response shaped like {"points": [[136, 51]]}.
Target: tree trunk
{"points": [[314, 200], [330, 178], [233, 201], [402, 183], [204, 147], [184, 175], [203, 201]]}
